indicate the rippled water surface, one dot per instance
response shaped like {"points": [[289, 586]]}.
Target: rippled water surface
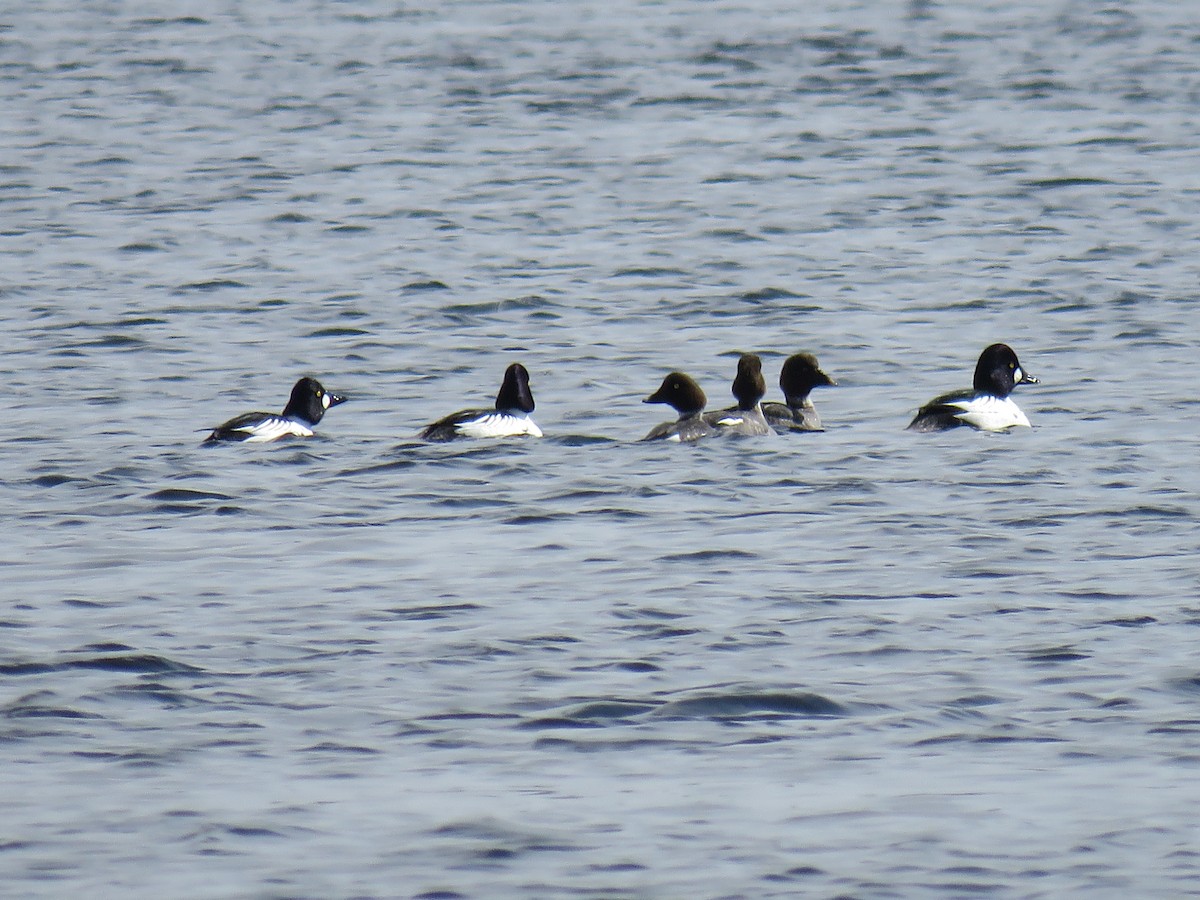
{"points": [[862, 663]]}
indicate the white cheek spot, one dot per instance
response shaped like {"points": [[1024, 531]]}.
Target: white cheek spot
{"points": [[1018, 374], [325, 400]]}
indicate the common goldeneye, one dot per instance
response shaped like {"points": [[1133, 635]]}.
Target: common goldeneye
{"points": [[748, 387], [987, 406], [304, 410], [684, 395], [800, 374], [509, 418]]}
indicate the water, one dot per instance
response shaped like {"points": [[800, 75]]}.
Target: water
{"points": [[862, 663]]}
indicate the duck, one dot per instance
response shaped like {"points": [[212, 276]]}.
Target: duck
{"points": [[987, 406], [799, 375], [748, 387], [305, 408], [682, 393], [510, 417]]}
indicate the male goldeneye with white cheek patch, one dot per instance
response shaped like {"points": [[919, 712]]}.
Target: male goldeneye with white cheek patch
{"points": [[509, 417], [304, 410], [987, 406]]}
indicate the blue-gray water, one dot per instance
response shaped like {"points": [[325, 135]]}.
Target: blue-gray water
{"points": [[862, 663]]}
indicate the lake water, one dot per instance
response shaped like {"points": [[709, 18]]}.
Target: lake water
{"points": [[863, 663]]}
